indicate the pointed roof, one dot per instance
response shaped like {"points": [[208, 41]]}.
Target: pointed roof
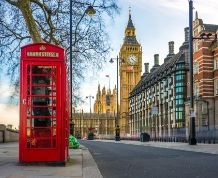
{"points": [[130, 24], [130, 38]]}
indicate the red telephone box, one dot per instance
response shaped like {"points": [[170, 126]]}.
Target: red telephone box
{"points": [[44, 104]]}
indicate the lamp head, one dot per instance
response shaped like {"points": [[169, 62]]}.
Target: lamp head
{"points": [[90, 11]]}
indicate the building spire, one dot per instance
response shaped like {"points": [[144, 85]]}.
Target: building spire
{"points": [[130, 24], [130, 37], [196, 15], [98, 86]]}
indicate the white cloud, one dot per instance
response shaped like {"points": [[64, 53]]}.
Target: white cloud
{"points": [[9, 114], [5, 93], [206, 9]]}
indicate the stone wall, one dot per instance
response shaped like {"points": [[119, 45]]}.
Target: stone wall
{"points": [[8, 135]]}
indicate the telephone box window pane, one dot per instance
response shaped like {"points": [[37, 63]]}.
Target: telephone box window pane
{"points": [[54, 113], [28, 70], [54, 122], [41, 138], [28, 132], [41, 101], [54, 101], [39, 143], [41, 122], [28, 85], [28, 90], [30, 141], [28, 121], [43, 143], [46, 80], [28, 112], [41, 69], [44, 101], [53, 92], [28, 102], [54, 80], [41, 90], [54, 131], [41, 132], [42, 111], [50, 111]]}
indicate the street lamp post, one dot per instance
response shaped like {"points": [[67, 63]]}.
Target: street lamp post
{"points": [[117, 134], [90, 103], [89, 11], [99, 111], [80, 123], [192, 139]]}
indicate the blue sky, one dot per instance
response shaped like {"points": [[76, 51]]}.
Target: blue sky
{"points": [[156, 21]]}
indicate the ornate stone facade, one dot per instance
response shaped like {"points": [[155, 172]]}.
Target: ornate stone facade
{"points": [[106, 101], [130, 67], [101, 124]]}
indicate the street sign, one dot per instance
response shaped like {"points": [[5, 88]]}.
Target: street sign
{"points": [[193, 114], [154, 110]]}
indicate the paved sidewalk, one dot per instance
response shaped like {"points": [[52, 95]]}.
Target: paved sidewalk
{"points": [[200, 147], [82, 165]]}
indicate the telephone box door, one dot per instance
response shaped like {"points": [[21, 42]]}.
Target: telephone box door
{"points": [[41, 111]]}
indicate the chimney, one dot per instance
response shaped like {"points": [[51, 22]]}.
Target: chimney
{"points": [[186, 34], [146, 67], [156, 59], [171, 47]]}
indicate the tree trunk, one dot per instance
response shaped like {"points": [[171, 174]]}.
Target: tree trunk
{"points": [[24, 6]]}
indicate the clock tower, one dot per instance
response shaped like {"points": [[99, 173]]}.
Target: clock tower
{"points": [[130, 72]]}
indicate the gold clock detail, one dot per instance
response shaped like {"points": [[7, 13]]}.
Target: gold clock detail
{"points": [[132, 59]]}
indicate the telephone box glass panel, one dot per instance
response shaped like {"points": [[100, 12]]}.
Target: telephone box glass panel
{"points": [[41, 110]]}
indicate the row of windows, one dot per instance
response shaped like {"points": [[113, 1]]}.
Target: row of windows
{"points": [[196, 66], [180, 116], [179, 101], [180, 77], [180, 89], [131, 49]]}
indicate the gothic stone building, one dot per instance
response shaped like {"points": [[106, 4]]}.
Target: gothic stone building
{"points": [[102, 121], [106, 101]]}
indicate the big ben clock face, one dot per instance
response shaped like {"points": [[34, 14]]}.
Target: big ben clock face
{"points": [[132, 59]]}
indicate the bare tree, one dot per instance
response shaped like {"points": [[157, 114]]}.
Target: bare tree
{"points": [[27, 21]]}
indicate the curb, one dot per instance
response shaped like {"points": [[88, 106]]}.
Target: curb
{"points": [[89, 166]]}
